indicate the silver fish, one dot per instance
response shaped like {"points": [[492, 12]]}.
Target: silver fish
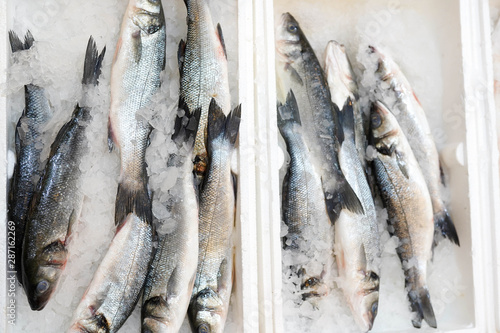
{"points": [[406, 197], [170, 279], [29, 141], [412, 119], [303, 207], [135, 78], [298, 69], [357, 241], [203, 71], [57, 202], [212, 288]]}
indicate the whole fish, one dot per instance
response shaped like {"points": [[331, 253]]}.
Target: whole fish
{"points": [[413, 121], [170, 279], [212, 288], [29, 141], [357, 241], [406, 197], [57, 201], [303, 207], [298, 69], [203, 70], [135, 78]]}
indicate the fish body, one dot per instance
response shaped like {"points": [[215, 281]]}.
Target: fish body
{"points": [[170, 279], [203, 72], [212, 288], [29, 142], [406, 197], [135, 78], [357, 241], [303, 207], [413, 121], [299, 70], [57, 201], [118, 281]]}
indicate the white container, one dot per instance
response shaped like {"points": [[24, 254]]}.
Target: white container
{"points": [[470, 153]]}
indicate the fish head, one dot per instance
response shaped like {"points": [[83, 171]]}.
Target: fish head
{"points": [[288, 39], [386, 67], [384, 129], [41, 274], [148, 15], [363, 300], [155, 314], [339, 73], [207, 312]]}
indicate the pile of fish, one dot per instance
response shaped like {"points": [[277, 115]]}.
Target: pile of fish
{"points": [[332, 186], [189, 271]]}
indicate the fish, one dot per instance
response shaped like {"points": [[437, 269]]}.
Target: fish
{"points": [[203, 71], [405, 195], [209, 302], [299, 70], [170, 280], [135, 77], [357, 240], [303, 207], [413, 121], [57, 201], [29, 143]]}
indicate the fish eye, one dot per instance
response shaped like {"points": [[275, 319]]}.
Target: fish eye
{"points": [[42, 287], [203, 328], [292, 28], [376, 120]]}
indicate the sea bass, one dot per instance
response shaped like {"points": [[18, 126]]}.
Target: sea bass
{"points": [[212, 288], [298, 69], [135, 78], [203, 71], [170, 279], [357, 241], [406, 197], [413, 121], [29, 141], [57, 201], [303, 207]]}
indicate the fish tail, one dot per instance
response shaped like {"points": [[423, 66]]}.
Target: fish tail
{"points": [[444, 225], [220, 126], [93, 63], [133, 199], [186, 126], [289, 112], [17, 45], [420, 302], [345, 197]]}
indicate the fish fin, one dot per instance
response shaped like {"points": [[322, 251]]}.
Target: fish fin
{"points": [[111, 137], [294, 74], [234, 178], [186, 126], [63, 132], [402, 164], [137, 49], [221, 38], [133, 199], [73, 219], [181, 51], [348, 118], [218, 124], [93, 63], [288, 112], [345, 197], [340, 120], [17, 45], [224, 276], [443, 224], [420, 302], [441, 172]]}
